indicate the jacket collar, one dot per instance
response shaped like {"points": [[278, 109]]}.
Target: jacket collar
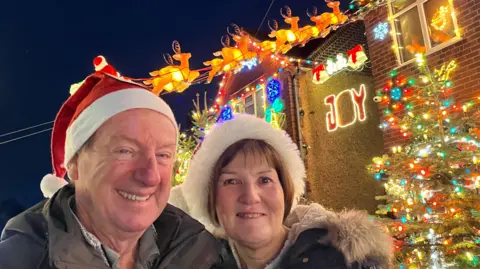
{"points": [[70, 243], [66, 244]]}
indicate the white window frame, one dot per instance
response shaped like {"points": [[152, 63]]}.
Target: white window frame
{"points": [[425, 34], [239, 107], [261, 91], [253, 103]]}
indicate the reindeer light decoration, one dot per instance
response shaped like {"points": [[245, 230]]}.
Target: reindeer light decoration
{"points": [[217, 66], [284, 37], [232, 56], [243, 42], [327, 19], [267, 48], [415, 47], [231, 59], [173, 77], [302, 35]]}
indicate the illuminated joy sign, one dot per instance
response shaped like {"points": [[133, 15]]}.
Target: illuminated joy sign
{"points": [[355, 59], [333, 119]]}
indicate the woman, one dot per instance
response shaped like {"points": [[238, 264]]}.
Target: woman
{"points": [[245, 179]]}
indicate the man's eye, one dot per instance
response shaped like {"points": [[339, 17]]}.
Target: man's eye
{"points": [[124, 154], [125, 151], [164, 155]]}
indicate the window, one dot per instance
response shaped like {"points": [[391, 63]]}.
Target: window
{"points": [[422, 26], [250, 105], [254, 104]]}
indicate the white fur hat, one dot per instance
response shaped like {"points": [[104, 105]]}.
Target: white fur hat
{"points": [[195, 188]]}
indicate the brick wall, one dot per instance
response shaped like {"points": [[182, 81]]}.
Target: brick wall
{"points": [[466, 52], [344, 39], [336, 161]]}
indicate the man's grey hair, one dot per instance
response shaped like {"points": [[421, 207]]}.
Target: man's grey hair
{"points": [[83, 148]]}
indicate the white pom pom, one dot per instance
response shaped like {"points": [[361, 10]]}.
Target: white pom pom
{"points": [[50, 184]]}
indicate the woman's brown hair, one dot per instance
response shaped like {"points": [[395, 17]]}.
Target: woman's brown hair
{"points": [[256, 148]]}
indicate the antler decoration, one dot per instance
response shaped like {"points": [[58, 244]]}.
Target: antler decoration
{"points": [[176, 47], [225, 43], [236, 29], [168, 58], [289, 12], [315, 12]]}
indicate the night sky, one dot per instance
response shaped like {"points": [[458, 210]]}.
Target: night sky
{"points": [[48, 45]]}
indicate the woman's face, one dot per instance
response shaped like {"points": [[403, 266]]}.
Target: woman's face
{"points": [[250, 200]]}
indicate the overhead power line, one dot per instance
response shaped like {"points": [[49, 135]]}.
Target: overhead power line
{"points": [[24, 129], [264, 17], [25, 136]]}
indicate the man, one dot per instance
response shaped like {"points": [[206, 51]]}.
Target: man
{"points": [[117, 142]]}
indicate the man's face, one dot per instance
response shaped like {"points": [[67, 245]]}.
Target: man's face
{"points": [[122, 178]]}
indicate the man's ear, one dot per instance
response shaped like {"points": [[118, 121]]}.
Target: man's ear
{"points": [[72, 169]]}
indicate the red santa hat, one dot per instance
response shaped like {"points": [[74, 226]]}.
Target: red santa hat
{"points": [[99, 98], [192, 194]]}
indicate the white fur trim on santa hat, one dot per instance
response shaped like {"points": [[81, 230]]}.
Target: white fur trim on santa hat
{"points": [[50, 184], [106, 107], [196, 185], [177, 199]]}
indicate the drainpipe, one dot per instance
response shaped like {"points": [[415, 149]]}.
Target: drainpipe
{"points": [[295, 87]]}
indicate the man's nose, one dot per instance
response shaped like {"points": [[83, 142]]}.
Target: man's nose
{"points": [[147, 171]]}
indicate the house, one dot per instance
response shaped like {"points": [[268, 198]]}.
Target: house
{"points": [[334, 121], [318, 106], [443, 30]]}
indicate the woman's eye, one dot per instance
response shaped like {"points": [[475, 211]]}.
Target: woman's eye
{"points": [[230, 182], [265, 180]]}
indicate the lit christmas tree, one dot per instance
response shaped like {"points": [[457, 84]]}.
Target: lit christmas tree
{"points": [[202, 120], [432, 183]]}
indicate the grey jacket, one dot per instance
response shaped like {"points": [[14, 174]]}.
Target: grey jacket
{"points": [[47, 236]]}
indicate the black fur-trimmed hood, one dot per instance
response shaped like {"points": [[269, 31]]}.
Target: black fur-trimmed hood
{"points": [[351, 232]]}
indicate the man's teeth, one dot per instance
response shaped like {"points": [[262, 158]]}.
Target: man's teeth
{"points": [[250, 215], [133, 197]]}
